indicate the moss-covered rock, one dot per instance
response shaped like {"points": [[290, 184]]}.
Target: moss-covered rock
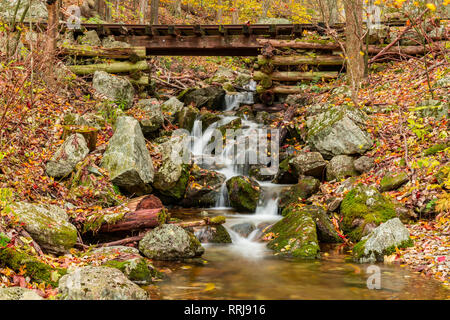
{"points": [[364, 208], [208, 118], [171, 107], [170, 242], [48, 225], [212, 98], [135, 269], [212, 234], [436, 148], [243, 193], [244, 229], [295, 236], [153, 117], [393, 181], [286, 172], [187, 116], [341, 167], [305, 188], [381, 242], [309, 164], [117, 89]]}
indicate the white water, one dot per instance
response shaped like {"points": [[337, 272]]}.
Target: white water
{"points": [[226, 163]]}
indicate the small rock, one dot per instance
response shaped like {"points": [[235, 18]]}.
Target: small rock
{"points": [[364, 164], [309, 164], [153, 118], [212, 234], [340, 167], [243, 229], [393, 181]]}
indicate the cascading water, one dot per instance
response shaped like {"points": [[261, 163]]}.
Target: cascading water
{"points": [[227, 164]]}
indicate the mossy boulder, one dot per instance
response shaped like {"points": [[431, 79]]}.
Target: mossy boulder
{"points": [[295, 236], [37, 11], [136, 269], [436, 148], [203, 188], [325, 229], [187, 116], [99, 283], [18, 293], [172, 177], [363, 208], [305, 188], [171, 107], [382, 241], [286, 174], [73, 150], [170, 242], [341, 167], [208, 118], [393, 181], [212, 98], [48, 225], [127, 158], [339, 130], [212, 234], [90, 38], [364, 164], [243, 193], [117, 89], [153, 118], [432, 108]]}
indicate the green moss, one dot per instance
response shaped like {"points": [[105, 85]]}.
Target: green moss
{"points": [[243, 193], [402, 245], [36, 270], [221, 235], [179, 189], [358, 249], [436, 148], [136, 270], [218, 220], [393, 181], [368, 204]]}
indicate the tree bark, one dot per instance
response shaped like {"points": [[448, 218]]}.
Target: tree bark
{"points": [[143, 5], [52, 29], [288, 116], [154, 7]]}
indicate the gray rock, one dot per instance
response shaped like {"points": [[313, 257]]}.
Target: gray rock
{"points": [[298, 100], [18, 293], [89, 120], [364, 164], [309, 164], [338, 131], [382, 241], [170, 242], [171, 108], [73, 150], [153, 118], [340, 167], [173, 174], [127, 158], [115, 250], [37, 11], [212, 234], [115, 88], [90, 38], [212, 98], [305, 188], [243, 229], [187, 116], [110, 42], [48, 225], [393, 181], [99, 283]]}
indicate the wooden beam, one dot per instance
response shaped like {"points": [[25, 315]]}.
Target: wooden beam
{"points": [[112, 53]]}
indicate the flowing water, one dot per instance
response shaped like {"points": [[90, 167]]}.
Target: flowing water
{"points": [[246, 269]]}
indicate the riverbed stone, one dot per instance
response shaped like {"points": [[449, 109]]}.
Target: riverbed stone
{"points": [[295, 236], [18, 293], [127, 158], [48, 225], [243, 193], [339, 130], [203, 188], [212, 234], [116, 88], [153, 118], [305, 188], [99, 283], [170, 242], [309, 164], [364, 208], [73, 150], [212, 98], [393, 181], [243, 229], [173, 175], [382, 241], [341, 167]]}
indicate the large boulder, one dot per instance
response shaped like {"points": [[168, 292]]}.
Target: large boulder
{"points": [[364, 208], [294, 236], [127, 158], [243, 193], [212, 98], [115, 88], [325, 229], [203, 188], [309, 164], [393, 181], [171, 107], [170, 242], [305, 188], [48, 225], [382, 241], [37, 11], [341, 167], [152, 118], [339, 130], [72, 151], [432, 108], [99, 283], [18, 293], [173, 174], [212, 234], [187, 116]]}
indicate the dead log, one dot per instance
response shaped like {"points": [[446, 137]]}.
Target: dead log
{"points": [[113, 67], [136, 53], [136, 220], [288, 116], [287, 89], [294, 44], [295, 75], [320, 60], [199, 223]]}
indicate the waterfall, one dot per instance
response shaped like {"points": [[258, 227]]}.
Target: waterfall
{"points": [[234, 100]]}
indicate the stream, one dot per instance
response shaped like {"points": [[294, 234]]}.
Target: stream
{"points": [[246, 269]]}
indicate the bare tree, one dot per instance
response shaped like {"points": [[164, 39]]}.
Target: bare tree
{"points": [[143, 5], [354, 45], [154, 7], [52, 25], [265, 8]]}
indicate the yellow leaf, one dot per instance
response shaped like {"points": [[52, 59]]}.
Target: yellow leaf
{"points": [[210, 286], [431, 6]]}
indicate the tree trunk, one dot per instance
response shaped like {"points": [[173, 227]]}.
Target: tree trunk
{"points": [[154, 7], [111, 53], [143, 4], [354, 45], [288, 116], [219, 15], [114, 67], [52, 27]]}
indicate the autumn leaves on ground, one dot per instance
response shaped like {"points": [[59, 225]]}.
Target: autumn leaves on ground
{"points": [[39, 96]]}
